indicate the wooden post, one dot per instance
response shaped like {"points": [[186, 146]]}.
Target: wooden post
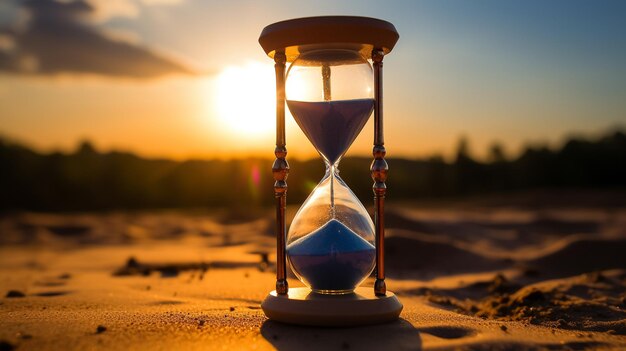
{"points": [[280, 170], [379, 170]]}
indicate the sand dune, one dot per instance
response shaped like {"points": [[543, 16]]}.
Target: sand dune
{"points": [[410, 252], [479, 278], [580, 254]]}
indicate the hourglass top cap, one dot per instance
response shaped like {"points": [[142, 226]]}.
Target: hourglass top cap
{"points": [[299, 35]]}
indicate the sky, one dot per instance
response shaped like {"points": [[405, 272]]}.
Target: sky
{"points": [[187, 78]]}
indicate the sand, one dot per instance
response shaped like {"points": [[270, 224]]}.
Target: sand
{"points": [[470, 276]]}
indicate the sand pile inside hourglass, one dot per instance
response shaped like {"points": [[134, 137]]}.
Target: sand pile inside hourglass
{"points": [[333, 258], [332, 126]]}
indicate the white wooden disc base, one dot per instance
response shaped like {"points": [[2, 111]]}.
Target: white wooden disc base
{"points": [[304, 307]]}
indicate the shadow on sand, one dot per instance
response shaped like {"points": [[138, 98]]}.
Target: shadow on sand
{"points": [[398, 335]]}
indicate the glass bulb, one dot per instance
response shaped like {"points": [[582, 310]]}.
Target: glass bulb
{"points": [[330, 243]]}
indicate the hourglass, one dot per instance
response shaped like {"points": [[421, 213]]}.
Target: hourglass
{"points": [[332, 244]]}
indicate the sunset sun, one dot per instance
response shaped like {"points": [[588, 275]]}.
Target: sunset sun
{"points": [[245, 99]]}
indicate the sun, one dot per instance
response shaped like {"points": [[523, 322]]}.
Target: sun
{"points": [[246, 98]]}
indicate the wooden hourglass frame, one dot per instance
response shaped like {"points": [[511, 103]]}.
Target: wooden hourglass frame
{"points": [[284, 42]]}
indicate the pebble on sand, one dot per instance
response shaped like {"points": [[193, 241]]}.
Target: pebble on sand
{"points": [[15, 293]]}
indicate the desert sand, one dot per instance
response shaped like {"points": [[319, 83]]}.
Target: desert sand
{"points": [[472, 275]]}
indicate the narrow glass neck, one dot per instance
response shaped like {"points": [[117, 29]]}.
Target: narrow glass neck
{"points": [[331, 168], [332, 172]]}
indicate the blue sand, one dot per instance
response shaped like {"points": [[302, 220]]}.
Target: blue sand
{"points": [[332, 258], [332, 126]]}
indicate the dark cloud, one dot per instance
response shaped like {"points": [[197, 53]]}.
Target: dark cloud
{"points": [[60, 37]]}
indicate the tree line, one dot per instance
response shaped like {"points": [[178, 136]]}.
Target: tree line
{"points": [[86, 179]]}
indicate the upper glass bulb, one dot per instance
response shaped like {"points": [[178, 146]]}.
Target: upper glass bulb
{"points": [[330, 95]]}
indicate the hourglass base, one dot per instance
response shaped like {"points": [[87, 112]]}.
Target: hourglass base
{"points": [[304, 307]]}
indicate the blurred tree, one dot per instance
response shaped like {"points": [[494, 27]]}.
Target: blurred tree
{"points": [[496, 153], [463, 151], [86, 147]]}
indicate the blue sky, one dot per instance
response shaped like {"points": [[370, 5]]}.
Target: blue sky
{"points": [[511, 71]]}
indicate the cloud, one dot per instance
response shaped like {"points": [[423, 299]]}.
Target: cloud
{"points": [[106, 9], [62, 37], [161, 2]]}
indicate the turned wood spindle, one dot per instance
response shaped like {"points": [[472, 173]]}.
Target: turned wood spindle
{"points": [[379, 170], [280, 170]]}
